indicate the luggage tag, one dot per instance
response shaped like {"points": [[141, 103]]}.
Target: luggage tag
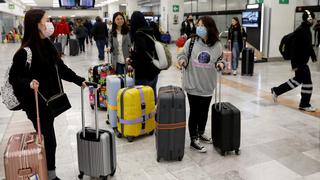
{"points": [[34, 177]]}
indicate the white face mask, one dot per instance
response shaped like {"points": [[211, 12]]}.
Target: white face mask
{"points": [[49, 30]]}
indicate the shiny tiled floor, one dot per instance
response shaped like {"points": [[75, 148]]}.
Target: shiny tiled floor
{"points": [[278, 142]]}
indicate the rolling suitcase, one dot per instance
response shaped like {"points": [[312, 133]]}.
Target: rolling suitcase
{"points": [[74, 47], [98, 74], [247, 62], [227, 56], [135, 112], [225, 125], [171, 123], [96, 149], [114, 84], [25, 155]]}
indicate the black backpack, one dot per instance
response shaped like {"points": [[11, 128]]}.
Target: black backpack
{"points": [[286, 46]]}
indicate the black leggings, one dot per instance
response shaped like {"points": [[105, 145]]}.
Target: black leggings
{"points": [[47, 130], [199, 108]]}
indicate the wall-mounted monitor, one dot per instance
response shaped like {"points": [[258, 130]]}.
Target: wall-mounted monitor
{"points": [[68, 3], [86, 3], [250, 18]]}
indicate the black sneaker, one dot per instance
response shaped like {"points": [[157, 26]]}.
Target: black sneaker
{"points": [[205, 139], [56, 178], [195, 144]]}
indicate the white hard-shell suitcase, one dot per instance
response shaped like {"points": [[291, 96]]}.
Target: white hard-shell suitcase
{"points": [[96, 148], [114, 84]]}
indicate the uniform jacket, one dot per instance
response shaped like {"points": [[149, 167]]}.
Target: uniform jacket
{"points": [[302, 46]]}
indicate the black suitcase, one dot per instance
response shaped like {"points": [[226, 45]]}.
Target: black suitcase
{"points": [[74, 47], [225, 125], [171, 123], [58, 46], [247, 62]]}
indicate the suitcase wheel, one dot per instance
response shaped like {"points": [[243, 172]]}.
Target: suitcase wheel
{"points": [[107, 121], [151, 133], [119, 135], [158, 158], [237, 152], [80, 176], [223, 153], [180, 158], [104, 177], [92, 106], [130, 138], [113, 172]]}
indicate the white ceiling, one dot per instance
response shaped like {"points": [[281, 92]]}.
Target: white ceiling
{"points": [[49, 3]]}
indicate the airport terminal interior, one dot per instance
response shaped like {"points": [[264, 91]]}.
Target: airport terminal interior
{"points": [[278, 141]]}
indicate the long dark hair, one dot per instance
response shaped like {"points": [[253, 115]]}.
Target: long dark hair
{"points": [[212, 30], [137, 21], [237, 20], [31, 37], [124, 27]]}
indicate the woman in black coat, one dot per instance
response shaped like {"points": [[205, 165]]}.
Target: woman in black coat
{"points": [[145, 72], [41, 73], [236, 38]]}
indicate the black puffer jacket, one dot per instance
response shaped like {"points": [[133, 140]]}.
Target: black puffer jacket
{"points": [[142, 63], [302, 46], [43, 70]]}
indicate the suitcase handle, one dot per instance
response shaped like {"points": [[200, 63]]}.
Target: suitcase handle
{"points": [[38, 116], [96, 88], [219, 77]]}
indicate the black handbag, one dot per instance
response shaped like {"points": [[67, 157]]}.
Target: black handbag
{"points": [[58, 103]]}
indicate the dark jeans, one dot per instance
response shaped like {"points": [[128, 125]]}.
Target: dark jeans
{"points": [[199, 108], [87, 39], [120, 68], [47, 130], [302, 76], [81, 44], [152, 83], [100, 45]]}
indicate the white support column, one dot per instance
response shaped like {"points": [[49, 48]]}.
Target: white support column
{"points": [[171, 19], [113, 8], [132, 5]]}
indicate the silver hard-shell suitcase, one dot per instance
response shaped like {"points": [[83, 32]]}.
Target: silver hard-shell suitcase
{"points": [[96, 148]]}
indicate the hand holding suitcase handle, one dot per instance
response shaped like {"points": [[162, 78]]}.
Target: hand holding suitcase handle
{"points": [[95, 85], [219, 77]]}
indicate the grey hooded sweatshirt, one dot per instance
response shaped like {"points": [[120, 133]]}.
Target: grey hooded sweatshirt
{"points": [[200, 77]]}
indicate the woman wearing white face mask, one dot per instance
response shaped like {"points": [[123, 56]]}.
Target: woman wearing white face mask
{"points": [[41, 73], [199, 77]]}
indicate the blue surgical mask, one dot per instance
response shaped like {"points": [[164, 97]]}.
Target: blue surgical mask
{"points": [[201, 31]]}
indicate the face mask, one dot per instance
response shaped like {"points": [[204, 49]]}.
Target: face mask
{"points": [[190, 20], [49, 30], [201, 31]]}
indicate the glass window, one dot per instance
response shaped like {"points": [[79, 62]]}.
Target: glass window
{"points": [[204, 5]]}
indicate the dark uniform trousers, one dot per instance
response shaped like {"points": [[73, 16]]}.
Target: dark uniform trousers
{"points": [[302, 76]]}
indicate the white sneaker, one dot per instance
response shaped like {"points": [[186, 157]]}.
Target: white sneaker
{"points": [[308, 109], [234, 72], [274, 96], [195, 144], [205, 139]]}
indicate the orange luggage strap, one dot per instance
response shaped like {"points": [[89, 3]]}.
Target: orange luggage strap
{"points": [[171, 126]]}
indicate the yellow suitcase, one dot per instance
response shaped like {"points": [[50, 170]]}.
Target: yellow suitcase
{"points": [[135, 111]]}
